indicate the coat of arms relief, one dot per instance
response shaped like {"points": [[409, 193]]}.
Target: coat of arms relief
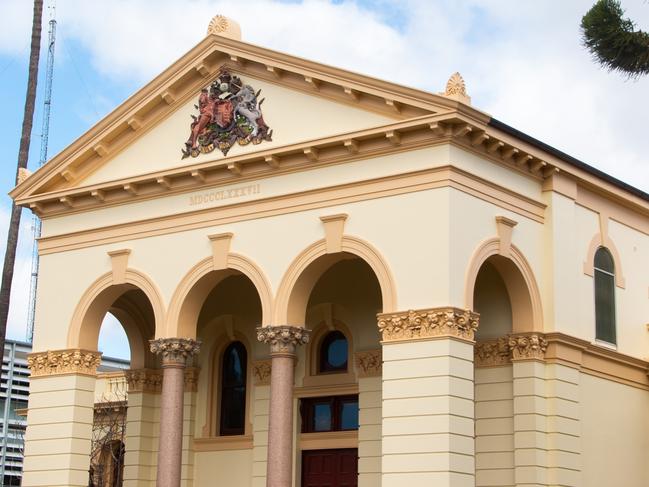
{"points": [[229, 113]]}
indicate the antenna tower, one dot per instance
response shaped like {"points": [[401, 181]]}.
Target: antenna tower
{"points": [[36, 222]]}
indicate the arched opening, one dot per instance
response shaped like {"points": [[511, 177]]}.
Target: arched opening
{"points": [[504, 300], [226, 322], [118, 320], [337, 296]]}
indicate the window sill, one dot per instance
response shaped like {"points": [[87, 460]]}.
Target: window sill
{"points": [[328, 440], [223, 443], [609, 345]]}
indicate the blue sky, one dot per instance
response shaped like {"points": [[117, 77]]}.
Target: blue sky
{"points": [[522, 61]]}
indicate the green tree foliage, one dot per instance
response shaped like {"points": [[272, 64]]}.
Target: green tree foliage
{"points": [[614, 41]]}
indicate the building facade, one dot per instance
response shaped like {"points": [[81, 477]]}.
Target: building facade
{"points": [[328, 279]]}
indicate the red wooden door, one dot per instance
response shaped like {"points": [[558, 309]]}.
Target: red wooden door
{"points": [[330, 468]]}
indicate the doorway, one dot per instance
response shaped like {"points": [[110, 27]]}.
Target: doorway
{"points": [[330, 468]]}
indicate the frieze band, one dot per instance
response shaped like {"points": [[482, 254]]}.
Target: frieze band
{"points": [[428, 323], [283, 339], [57, 362], [528, 346], [175, 350]]}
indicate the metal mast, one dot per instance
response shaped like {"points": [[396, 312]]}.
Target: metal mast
{"points": [[36, 222]]}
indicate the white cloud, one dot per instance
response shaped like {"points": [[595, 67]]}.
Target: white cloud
{"points": [[523, 61], [113, 341]]}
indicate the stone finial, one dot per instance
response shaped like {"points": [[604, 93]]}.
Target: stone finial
{"points": [[220, 25], [283, 339], [456, 89], [23, 174]]}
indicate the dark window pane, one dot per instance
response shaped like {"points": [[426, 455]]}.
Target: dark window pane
{"points": [[322, 417], [333, 353], [604, 261], [604, 307], [349, 415], [233, 390]]}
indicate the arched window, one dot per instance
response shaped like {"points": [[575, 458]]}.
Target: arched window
{"points": [[233, 390], [604, 269], [333, 352]]}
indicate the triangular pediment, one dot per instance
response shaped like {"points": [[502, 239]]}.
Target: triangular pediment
{"points": [[303, 101]]}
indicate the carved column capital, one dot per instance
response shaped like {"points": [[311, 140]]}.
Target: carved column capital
{"points": [[175, 351], [144, 380], [528, 346], [428, 323], [369, 363], [492, 353], [59, 362], [261, 370], [283, 339]]}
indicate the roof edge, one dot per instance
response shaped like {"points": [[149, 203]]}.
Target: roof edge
{"points": [[497, 124]]}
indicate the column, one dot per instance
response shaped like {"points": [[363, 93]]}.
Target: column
{"points": [[175, 353], [60, 417], [142, 427], [283, 341], [428, 413], [530, 410]]}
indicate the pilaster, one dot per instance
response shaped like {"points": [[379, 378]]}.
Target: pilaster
{"points": [[369, 369], [428, 411], [261, 371], [60, 417]]}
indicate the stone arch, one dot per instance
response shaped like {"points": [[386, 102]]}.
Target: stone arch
{"points": [[519, 280], [597, 242], [310, 264], [189, 296], [103, 296]]}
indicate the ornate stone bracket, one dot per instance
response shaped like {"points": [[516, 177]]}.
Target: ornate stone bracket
{"points": [[369, 363], [261, 370], [283, 339], [428, 323], [58, 362], [528, 346], [175, 351]]}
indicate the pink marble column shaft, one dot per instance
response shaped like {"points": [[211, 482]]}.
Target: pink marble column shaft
{"points": [[282, 340], [175, 354]]}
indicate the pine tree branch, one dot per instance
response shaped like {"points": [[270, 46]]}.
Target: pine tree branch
{"points": [[614, 41]]}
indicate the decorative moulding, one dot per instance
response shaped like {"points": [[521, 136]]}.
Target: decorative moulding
{"points": [[530, 346], [261, 370], [369, 363], [428, 324], [60, 362], [492, 353], [334, 226], [504, 350]]}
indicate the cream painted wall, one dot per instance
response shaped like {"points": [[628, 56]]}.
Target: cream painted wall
{"points": [[615, 434], [293, 116], [231, 468], [418, 264], [322, 177]]}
